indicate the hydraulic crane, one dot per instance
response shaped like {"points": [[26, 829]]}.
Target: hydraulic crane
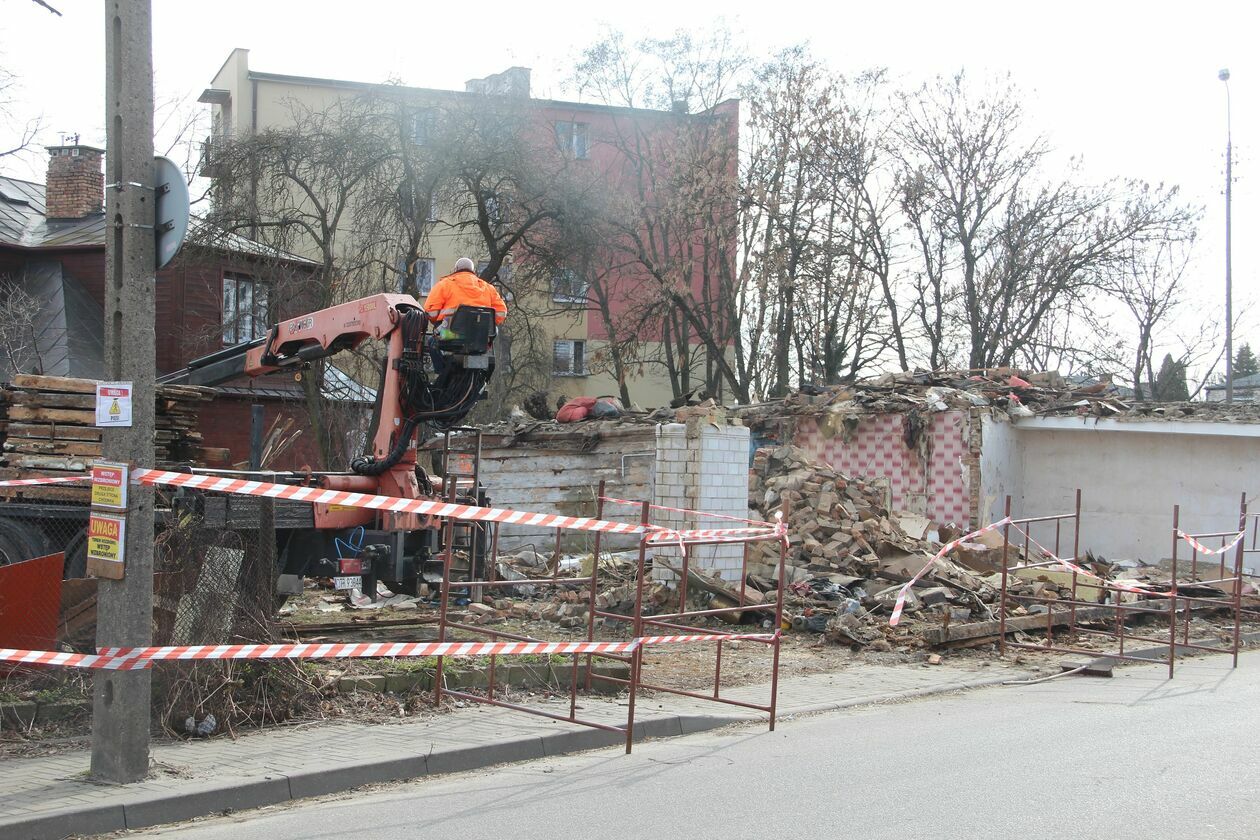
{"points": [[428, 381]]}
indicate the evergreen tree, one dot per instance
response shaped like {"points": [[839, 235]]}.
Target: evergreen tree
{"points": [[1245, 363], [1170, 382]]}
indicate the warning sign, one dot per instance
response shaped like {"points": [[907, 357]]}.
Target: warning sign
{"points": [[109, 486], [113, 403], [106, 541]]}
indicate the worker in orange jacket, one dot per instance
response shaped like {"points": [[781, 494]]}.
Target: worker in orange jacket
{"points": [[463, 288]]}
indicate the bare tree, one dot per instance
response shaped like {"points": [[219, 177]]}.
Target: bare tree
{"points": [[674, 192], [179, 129], [813, 235], [1151, 287], [1002, 248], [296, 188], [18, 136], [18, 309]]}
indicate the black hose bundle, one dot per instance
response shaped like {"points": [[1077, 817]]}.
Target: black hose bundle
{"points": [[440, 404]]}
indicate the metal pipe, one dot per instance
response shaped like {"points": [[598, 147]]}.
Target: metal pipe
{"points": [[778, 623], [1006, 544], [594, 584], [1238, 568], [1172, 598], [636, 665]]}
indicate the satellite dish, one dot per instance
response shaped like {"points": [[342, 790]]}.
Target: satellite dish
{"points": [[170, 210]]}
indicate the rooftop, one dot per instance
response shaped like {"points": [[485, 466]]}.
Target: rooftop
{"points": [[23, 224], [1252, 381], [212, 95]]}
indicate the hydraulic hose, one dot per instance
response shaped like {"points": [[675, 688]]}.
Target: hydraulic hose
{"points": [[367, 465]]}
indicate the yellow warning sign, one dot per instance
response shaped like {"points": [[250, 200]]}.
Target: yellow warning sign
{"points": [[109, 486], [106, 537]]}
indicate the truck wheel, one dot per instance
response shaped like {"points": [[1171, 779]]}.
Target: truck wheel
{"points": [[76, 556], [20, 540]]}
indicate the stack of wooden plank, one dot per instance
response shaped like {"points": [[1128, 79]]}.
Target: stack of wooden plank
{"points": [[47, 424]]}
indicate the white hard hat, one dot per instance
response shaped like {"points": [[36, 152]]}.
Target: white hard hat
{"points": [[463, 264]]}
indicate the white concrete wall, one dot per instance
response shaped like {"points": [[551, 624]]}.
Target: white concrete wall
{"points": [[1001, 467], [1131, 474], [559, 472], [704, 467]]}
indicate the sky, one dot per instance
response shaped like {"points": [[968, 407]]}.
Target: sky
{"points": [[1131, 87]]}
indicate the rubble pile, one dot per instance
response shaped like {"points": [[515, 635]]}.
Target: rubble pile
{"points": [[835, 522], [850, 553], [1018, 393]]}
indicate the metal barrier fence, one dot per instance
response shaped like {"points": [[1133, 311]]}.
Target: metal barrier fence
{"points": [[1109, 612], [214, 581], [641, 621], [677, 622], [1251, 553]]}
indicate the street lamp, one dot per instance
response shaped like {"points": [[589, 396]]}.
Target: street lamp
{"points": [[1229, 303]]}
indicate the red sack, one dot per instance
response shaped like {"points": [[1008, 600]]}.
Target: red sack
{"points": [[578, 408]]}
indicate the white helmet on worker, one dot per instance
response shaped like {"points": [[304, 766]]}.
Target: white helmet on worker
{"points": [[463, 264]]}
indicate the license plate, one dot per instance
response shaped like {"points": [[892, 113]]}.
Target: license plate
{"points": [[350, 582]]}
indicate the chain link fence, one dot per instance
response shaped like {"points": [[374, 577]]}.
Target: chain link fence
{"points": [[212, 585]]}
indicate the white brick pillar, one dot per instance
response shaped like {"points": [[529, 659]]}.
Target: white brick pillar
{"points": [[701, 465]]}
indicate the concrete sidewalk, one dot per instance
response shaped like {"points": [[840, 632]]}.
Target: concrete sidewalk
{"points": [[51, 797]]}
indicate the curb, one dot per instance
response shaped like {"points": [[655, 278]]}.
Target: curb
{"points": [[147, 809], [1154, 653]]}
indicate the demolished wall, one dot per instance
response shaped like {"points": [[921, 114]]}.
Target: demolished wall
{"points": [[925, 457], [557, 470]]}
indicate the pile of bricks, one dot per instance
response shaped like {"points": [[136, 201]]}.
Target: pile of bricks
{"points": [[835, 522]]}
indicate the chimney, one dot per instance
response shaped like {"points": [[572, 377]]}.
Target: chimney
{"points": [[75, 188], [512, 82]]}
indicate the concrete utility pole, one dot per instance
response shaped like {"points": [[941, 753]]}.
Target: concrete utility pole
{"points": [[121, 699], [1229, 280]]}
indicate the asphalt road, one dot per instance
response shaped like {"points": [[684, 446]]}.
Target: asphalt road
{"points": [[1131, 757]]}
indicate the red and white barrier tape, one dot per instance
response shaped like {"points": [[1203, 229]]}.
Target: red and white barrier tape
{"points": [[632, 503], [710, 637], [1106, 583], [1202, 549], [28, 482], [135, 659], [711, 535], [900, 606], [473, 513]]}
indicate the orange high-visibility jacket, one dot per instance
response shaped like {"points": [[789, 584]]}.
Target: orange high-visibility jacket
{"points": [[463, 288]]}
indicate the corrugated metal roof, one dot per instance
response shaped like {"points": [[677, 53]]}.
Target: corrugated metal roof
{"points": [[339, 386], [1252, 381], [23, 223], [212, 236], [21, 211]]}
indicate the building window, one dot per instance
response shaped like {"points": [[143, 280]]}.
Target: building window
{"points": [[567, 286], [573, 138], [423, 269], [497, 207], [245, 308], [568, 358], [414, 203], [423, 123]]}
